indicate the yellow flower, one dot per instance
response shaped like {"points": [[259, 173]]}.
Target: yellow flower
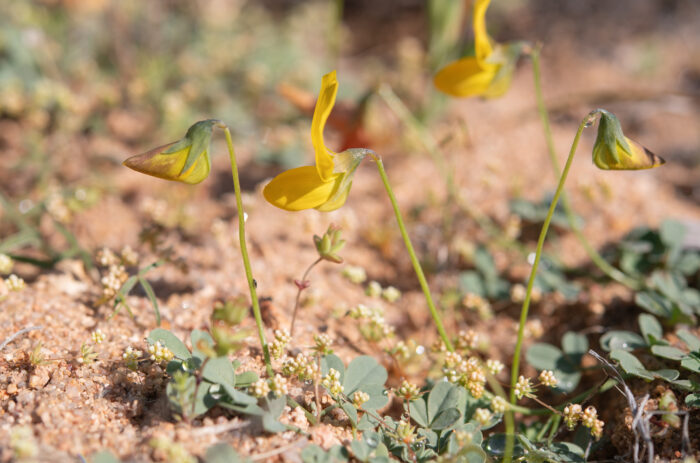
{"points": [[614, 151], [326, 185], [488, 73], [186, 160]]}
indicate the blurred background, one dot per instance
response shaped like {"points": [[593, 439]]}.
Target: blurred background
{"points": [[85, 83]]}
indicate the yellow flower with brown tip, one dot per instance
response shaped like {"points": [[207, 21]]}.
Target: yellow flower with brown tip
{"points": [[614, 151], [488, 72], [326, 185], [186, 160]]}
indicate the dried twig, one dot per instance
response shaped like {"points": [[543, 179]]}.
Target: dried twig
{"points": [[264, 456], [219, 428], [19, 333]]}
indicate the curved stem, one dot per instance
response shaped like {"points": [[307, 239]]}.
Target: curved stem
{"points": [[595, 257], [515, 369], [412, 254], [301, 288], [244, 252]]}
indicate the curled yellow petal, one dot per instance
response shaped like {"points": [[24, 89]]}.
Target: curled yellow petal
{"points": [[637, 158], [482, 42], [465, 77], [160, 163], [324, 106], [300, 188]]}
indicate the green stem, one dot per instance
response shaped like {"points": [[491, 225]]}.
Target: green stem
{"points": [[244, 252], [515, 369], [597, 259], [299, 291], [412, 254]]}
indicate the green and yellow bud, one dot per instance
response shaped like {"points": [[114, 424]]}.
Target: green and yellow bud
{"points": [[330, 244], [186, 160], [614, 151]]}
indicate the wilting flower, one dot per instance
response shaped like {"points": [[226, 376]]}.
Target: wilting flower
{"points": [[614, 151], [326, 185], [488, 72], [186, 160]]}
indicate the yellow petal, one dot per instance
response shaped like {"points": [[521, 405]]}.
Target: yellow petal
{"points": [[465, 77], [169, 165], [324, 106], [482, 42], [637, 158], [299, 189]]}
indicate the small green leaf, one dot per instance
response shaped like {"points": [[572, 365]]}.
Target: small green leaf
{"points": [[650, 327], [221, 453], [104, 456], [666, 374], [246, 378], [574, 345], [151, 297], [219, 371], [693, 400], [360, 450], [692, 362], [314, 454], [271, 416], [543, 356], [443, 396], [654, 303], [445, 418], [239, 397], [350, 411], [198, 336], [333, 361], [626, 340], [689, 339], [363, 370], [667, 352], [170, 341], [419, 412], [631, 364]]}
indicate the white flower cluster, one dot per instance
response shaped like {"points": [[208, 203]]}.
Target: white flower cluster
{"points": [[279, 344], [482, 416], [359, 398], [131, 358], [355, 274], [523, 387], [499, 404], [547, 378], [332, 382], [6, 264], [14, 283], [98, 336], [302, 366], [260, 388], [573, 413], [113, 281], [278, 385], [494, 366], [160, 353], [467, 340], [408, 390], [323, 343], [129, 256]]}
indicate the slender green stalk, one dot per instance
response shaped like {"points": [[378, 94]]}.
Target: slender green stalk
{"points": [[597, 259], [412, 254], [515, 369], [244, 252], [301, 288]]}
